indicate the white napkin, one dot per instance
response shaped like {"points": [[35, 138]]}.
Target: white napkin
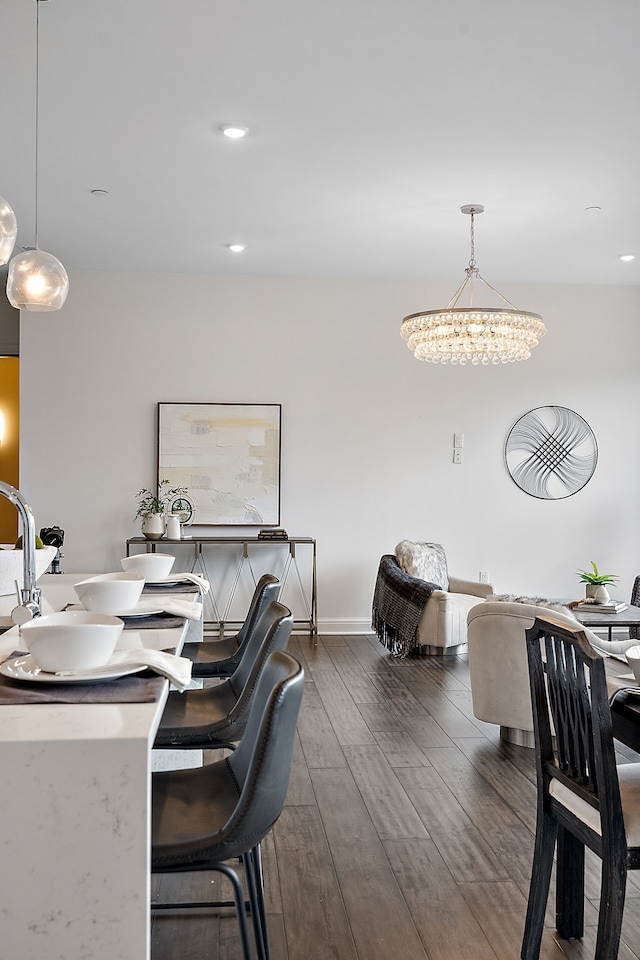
{"points": [[204, 585], [176, 669], [182, 608]]}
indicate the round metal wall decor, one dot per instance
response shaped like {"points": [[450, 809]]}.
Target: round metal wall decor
{"points": [[551, 453]]}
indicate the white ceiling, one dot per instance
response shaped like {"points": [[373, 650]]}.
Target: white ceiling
{"points": [[371, 123]]}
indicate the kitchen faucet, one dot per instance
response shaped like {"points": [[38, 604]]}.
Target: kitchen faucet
{"points": [[29, 597]]}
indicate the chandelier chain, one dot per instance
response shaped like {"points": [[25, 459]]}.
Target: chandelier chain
{"points": [[37, 137]]}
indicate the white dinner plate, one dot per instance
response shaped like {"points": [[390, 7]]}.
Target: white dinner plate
{"points": [[144, 608], [25, 668]]}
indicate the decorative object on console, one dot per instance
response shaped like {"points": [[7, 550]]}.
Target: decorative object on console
{"points": [[551, 453], [228, 454], [476, 334], [184, 508], [152, 508], [173, 527], [278, 533], [37, 280], [594, 579]]}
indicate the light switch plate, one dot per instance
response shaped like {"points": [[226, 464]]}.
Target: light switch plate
{"points": [[458, 440]]}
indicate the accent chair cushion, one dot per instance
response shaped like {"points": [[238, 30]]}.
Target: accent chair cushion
{"points": [[426, 561]]}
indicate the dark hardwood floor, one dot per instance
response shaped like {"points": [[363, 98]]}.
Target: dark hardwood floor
{"points": [[407, 831]]}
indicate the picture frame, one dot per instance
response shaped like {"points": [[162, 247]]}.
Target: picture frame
{"points": [[226, 456]]}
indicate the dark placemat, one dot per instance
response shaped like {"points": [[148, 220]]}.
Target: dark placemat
{"points": [[143, 687], [138, 688], [155, 621], [165, 588]]}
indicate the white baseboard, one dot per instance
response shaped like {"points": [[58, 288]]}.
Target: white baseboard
{"points": [[344, 626]]}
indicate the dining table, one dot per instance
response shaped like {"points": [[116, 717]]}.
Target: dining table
{"points": [[75, 784]]}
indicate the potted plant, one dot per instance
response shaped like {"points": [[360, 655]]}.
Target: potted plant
{"points": [[594, 580], [153, 507]]}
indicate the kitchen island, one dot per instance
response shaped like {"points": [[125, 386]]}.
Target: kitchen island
{"points": [[75, 802]]}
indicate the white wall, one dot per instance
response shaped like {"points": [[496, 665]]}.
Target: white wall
{"points": [[367, 429]]}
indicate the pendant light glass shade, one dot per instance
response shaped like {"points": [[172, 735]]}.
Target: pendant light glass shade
{"points": [[8, 231], [37, 281]]}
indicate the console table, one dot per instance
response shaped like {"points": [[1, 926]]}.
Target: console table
{"points": [[246, 550]]}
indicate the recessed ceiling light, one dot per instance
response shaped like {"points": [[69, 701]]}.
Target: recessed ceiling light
{"points": [[234, 131], [99, 193], [626, 256], [592, 209], [236, 247]]}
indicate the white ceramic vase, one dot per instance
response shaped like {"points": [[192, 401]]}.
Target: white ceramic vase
{"points": [[601, 594], [153, 526], [173, 527]]}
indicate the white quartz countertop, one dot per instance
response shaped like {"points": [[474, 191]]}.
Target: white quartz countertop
{"points": [[48, 722], [74, 791]]}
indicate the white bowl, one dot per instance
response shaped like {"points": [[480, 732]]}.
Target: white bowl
{"points": [[110, 592], [633, 659], [69, 642], [152, 566], [11, 567]]}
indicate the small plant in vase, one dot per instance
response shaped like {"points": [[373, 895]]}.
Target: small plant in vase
{"points": [[152, 508], [597, 583]]}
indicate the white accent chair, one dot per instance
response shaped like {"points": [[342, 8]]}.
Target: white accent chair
{"points": [[418, 607], [498, 666]]}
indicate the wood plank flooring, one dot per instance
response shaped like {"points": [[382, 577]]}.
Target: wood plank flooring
{"points": [[407, 831]]}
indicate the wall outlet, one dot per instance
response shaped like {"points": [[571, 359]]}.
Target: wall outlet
{"points": [[484, 576], [457, 455]]}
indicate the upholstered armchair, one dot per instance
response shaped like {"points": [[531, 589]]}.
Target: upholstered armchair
{"points": [[417, 606], [498, 666]]}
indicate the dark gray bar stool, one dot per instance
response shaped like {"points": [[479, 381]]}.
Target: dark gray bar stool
{"points": [[219, 658], [217, 717], [204, 817]]}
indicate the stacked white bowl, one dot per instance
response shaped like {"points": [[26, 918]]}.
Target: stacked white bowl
{"points": [[71, 641], [110, 592]]}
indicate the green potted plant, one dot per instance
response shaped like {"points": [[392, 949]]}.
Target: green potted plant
{"points": [[152, 508], [594, 579]]}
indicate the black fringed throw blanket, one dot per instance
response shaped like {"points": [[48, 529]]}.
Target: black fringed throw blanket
{"points": [[398, 602]]}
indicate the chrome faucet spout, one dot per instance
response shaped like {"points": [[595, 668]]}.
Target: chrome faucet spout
{"points": [[29, 606]]}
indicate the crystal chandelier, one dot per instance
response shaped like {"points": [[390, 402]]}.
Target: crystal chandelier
{"points": [[472, 334], [37, 280]]}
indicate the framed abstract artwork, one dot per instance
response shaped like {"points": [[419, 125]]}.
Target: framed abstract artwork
{"points": [[551, 453], [227, 456]]}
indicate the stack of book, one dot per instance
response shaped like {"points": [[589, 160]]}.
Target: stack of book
{"points": [[277, 533], [612, 606]]}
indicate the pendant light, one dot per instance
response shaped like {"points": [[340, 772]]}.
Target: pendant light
{"points": [[472, 334], [37, 280], [8, 231]]}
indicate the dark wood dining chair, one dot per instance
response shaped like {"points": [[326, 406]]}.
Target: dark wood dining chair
{"points": [[634, 632], [584, 800], [219, 658]]}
